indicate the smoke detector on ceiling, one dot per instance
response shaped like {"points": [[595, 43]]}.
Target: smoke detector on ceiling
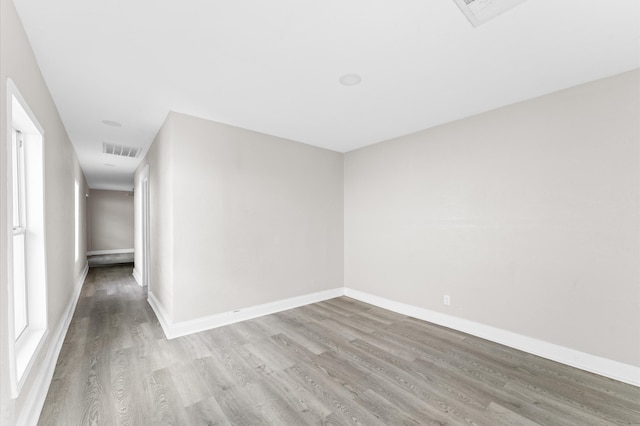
{"points": [[480, 11], [350, 80], [120, 150]]}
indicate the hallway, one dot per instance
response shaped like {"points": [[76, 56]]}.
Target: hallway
{"points": [[335, 362], [101, 363]]}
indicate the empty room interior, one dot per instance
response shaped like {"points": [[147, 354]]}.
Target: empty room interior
{"points": [[339, 212]]}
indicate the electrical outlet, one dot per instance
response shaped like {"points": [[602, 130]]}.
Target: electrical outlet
{"points": [[447, 299]]}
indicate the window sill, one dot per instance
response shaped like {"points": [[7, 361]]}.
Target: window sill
{"points": [[26, 350]]}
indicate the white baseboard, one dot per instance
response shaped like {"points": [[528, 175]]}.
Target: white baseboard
{"points": [[161, 313], [30, 413], [117, 251], [584, 361], [173, 330], [137, 276]]}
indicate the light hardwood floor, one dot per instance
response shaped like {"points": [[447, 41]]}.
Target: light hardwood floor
{"points": [[337, 362]]}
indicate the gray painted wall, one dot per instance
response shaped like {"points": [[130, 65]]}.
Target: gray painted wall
{"points": [[247, 219], [110, 215], [527, 216], [158, 159]]}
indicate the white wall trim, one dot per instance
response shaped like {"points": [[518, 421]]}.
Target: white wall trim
{"points": [[30, 413], [161, 313], [173, 330], [117, 251], [582, 360], [574, 358], [137, 276]]}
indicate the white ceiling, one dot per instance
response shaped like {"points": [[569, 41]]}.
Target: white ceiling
{"points": [[273, 66]]}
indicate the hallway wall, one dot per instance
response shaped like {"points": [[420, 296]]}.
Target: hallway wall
{"points": [[253, 218], [61, 170], [161, 222], [110, 216]]}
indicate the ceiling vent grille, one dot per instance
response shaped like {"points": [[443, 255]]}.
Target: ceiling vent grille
{"points": [[480, 11], [120, 150]]}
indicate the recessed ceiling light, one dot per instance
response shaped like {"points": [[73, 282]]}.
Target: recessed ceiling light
{"points": [[111, 123], [109, 165], [350, 79]]}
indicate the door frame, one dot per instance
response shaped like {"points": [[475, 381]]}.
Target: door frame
{"points": [[146, 219]]}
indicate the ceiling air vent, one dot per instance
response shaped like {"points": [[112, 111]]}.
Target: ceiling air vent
{"points": [[121, 150], [480, 11]]}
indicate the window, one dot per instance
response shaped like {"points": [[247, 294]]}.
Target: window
{"points": [[20, 307], [27, 310]]}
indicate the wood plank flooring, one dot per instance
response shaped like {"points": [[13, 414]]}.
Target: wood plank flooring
{"points": [[338, 362]]}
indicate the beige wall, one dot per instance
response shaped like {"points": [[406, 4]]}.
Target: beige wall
{"points": [[527, 216], [161, 275], [61, 169], [255, 218], [110, 216]]}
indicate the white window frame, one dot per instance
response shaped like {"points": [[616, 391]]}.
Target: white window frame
{"points": [[25, 346], [19, 232]]}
